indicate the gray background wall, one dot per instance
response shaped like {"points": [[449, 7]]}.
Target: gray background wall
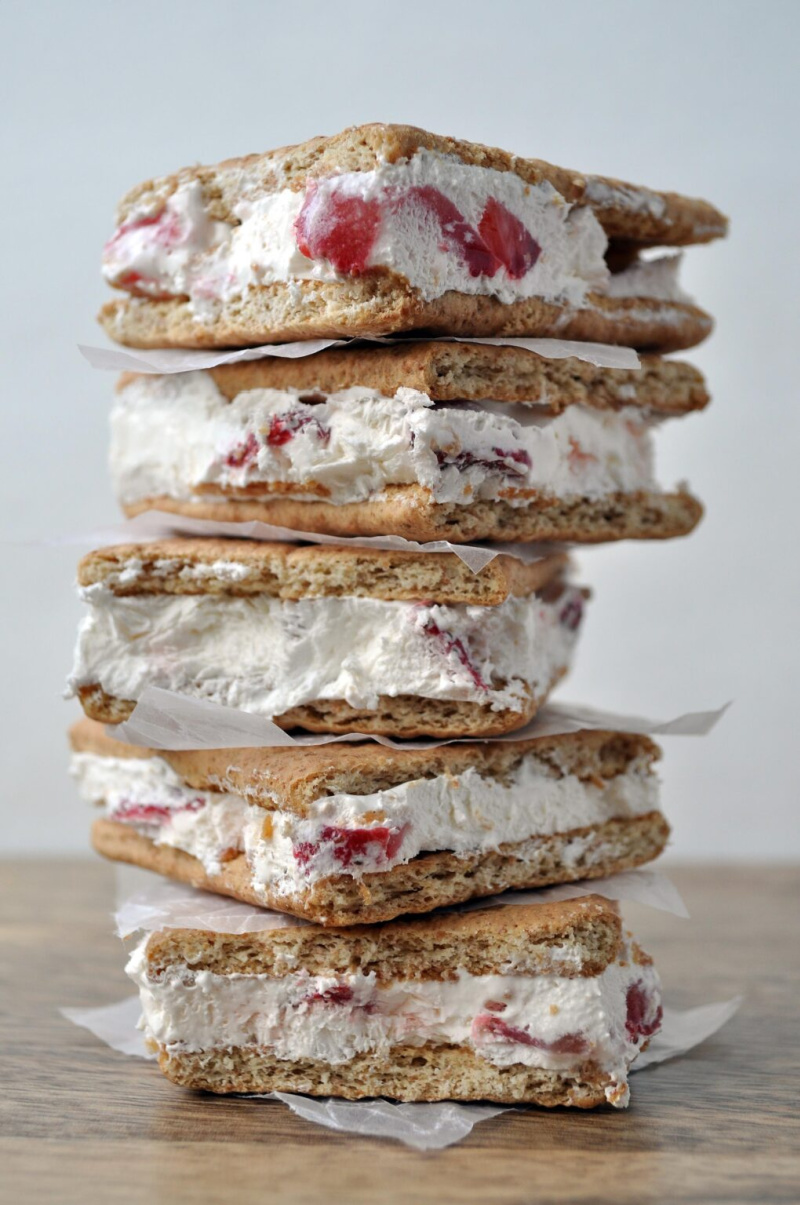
{"points": [[700, 97]]}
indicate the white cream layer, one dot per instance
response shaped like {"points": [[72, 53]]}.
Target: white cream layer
{"points": [[170, 247], [148, 795], [265, 655], [173, 435], [464, 814], [547, 1021]]}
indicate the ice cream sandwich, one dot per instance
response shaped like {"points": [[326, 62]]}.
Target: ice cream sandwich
{"points": [[386, 228], [348, 834], [544, 1004], [329, 639], [428, 440]]}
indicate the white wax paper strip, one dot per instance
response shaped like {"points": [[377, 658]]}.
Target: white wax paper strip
{"points": [[161, 905], [427, 1127], [693, 723], [158, 905], [424, 1126], [158, 525], [683, 1029], [114, 1024], [163, 719], [167, 360]]}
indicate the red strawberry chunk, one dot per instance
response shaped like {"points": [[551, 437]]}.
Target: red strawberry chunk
{"points": [[284, 427], [340, 993], [508, 239], [243, 453], [343, 229], [339, 228], [638, 1005], [485, 1026], [569, 1043], [457, 234], [152, 813], [353, 845], [452, 644], [127, 227], [304, 851], [165, 229], [495, 1006], [519, 460], [350, 845]]}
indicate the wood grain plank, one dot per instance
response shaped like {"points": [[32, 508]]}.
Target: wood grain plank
{"points": [[81, 1123]]}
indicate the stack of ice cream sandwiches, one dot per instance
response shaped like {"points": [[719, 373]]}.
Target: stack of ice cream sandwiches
{"points": [[432, 284]]}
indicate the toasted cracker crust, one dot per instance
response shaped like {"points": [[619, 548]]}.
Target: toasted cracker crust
{"points": [[290, 572], [292, 779], [526, 939], [399, 716], [626, 211], [427, 882], [450, 371], [409, 511], [408, 1073], [385, 304]]}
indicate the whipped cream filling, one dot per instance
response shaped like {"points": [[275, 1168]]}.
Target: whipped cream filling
{"points": [[146, 794], [553, 1022], [653, 278], [178, 436], [442, 224], [265, 655], [358, 834], [465, 814]]}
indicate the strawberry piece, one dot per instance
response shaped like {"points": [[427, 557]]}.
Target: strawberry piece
{"points": [[518, 455], [127, 227], [508, 239], [457, 233], [340, 993], [363, 844], [571, 613], [304, 851], [243, 453], [353, 845], [493, 1028], [452, 644], [152, 813], [495, 1006], [338, 228], [284, 427], [166, 229], [638, 1005], [519, 458], [569, 1043]]}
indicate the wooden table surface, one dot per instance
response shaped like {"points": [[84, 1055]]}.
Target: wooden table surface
{"points": [[82, 1123]]}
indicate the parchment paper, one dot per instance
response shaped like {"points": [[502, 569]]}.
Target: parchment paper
{"points": [[147, 903], [168, 360], [158, 525], [163, 719]]}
